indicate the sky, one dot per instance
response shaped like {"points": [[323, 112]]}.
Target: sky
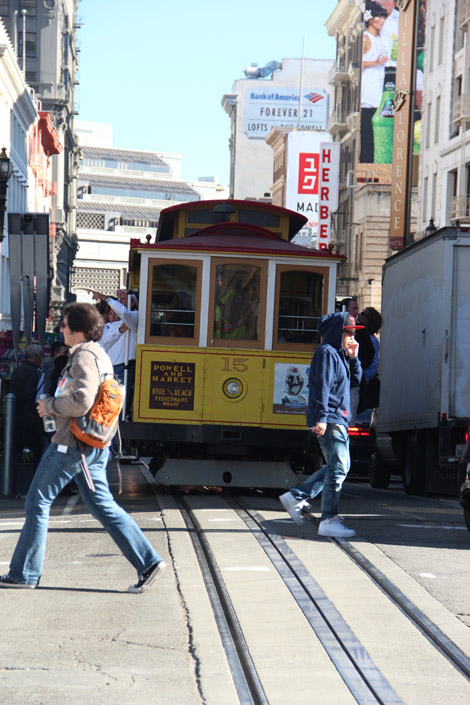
{"points": [[158, 70]]}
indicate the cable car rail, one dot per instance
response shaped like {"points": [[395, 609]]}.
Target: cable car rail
{"points": [[361, 675]]}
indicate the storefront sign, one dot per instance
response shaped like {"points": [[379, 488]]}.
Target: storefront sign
{"points": [[266, 108], [329, 190], [404, 126], [172, 385], [309, 160]]}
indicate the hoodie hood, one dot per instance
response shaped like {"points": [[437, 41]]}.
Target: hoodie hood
{"points": [[331, 328]]}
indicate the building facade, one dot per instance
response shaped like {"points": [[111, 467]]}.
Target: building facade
{"points": [[44, 36], [445, 150], [361, 225], [292, 93], [120, 195], [17, 115]]}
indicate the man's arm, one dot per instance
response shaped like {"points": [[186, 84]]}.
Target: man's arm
{"points": [[130, 318], [85, 382]]}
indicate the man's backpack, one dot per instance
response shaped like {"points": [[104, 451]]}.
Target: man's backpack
{"points": [[98, 426]]}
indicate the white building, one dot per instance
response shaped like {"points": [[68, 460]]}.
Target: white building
{"points": [[17, 114], [267, 98], [445, 138], [120, 195]]}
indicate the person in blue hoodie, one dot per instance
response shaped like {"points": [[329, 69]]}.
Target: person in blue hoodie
{"points": [[334, 368]]}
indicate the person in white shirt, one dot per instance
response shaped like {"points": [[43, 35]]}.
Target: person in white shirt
{"points": [[129, 317]]}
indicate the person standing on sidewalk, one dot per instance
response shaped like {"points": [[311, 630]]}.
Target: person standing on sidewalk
{"points": [[82, 326], [334, 368]]}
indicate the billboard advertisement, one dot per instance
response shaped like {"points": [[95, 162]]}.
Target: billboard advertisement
{"points": [[279, 107], [378, 79], [312, 182]]}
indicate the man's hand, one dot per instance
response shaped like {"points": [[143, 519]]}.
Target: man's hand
{"points": [[352, 347], [97, 296], [40, 407], [319, 428]]}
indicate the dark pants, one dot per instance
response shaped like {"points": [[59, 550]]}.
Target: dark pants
{"points": [[119, 372]]}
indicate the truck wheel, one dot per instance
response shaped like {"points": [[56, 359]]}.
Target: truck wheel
{"points": [[379, 472], [414, 469]]}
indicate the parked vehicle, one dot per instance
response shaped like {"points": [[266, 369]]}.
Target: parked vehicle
{"points": [[465, 474], [419, 428], [359, 445]]}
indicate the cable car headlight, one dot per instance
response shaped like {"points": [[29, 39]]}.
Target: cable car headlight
{"points": [[233, 388]]}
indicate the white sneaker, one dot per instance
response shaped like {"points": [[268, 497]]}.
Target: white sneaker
{"points": [[293, 506], [334, 527]]}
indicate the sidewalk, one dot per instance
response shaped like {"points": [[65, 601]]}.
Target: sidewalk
{"points": [[81, 638]]}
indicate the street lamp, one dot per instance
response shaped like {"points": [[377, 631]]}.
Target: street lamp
{"points": [[430, 228], [6, 168]]}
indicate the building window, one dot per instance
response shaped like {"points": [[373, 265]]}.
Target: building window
{"points": [[31, 77], [440, 56], [451, 195], [437, 122], [96, 279], [29, 6], [433, 196], [91, 221], [425, 199], [30, 44], [431, 48], [427, 119], [4, 8]]}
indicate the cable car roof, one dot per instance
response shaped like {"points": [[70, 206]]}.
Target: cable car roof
{"points": [[175, 221], [237, 238]]}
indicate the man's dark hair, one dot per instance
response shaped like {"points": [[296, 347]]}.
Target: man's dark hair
{"points": [[84, 318], [56, 346], [373, 319], [103, 307]]}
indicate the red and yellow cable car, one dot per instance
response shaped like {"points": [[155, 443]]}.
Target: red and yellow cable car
{"points": [[228, 316]]}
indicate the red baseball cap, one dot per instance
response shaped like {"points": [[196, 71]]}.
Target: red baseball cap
{"points": [[350, 323]]}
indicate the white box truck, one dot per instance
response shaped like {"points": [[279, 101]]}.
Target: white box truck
{"points": [[419, 428]]}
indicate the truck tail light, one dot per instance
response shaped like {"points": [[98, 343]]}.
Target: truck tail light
{"points": [[356, 432]]}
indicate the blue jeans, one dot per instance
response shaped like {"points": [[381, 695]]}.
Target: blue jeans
{"points": [[328, 479], [54, 472]]}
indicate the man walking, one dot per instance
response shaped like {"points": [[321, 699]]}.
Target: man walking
{"points": [[82, 326], [28, 430], [335, 366]]}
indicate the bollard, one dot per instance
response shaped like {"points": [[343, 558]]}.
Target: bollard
{"points": [[7, 479]]}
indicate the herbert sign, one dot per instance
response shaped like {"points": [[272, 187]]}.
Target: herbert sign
{"points": [[172, 385], [312, 184]]}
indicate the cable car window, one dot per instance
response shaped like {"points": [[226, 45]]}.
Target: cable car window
{"points": [[237, 303], [261, 218], [173, 302], [299, 306]]}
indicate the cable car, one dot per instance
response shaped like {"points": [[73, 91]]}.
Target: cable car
{"points": [[228, 315]]}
